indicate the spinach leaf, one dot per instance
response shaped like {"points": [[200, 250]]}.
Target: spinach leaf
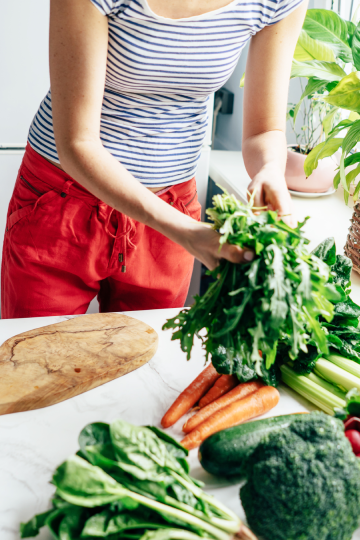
{"points": [[341, 271], [347, 309], [140, 452], [93, 434], [32, 527], [108, 522], [326, 251], [173, 447], [82, 484], [71, 525]]}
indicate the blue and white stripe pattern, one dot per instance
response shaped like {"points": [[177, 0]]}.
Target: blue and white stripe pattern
{"points": [[159, 75]]}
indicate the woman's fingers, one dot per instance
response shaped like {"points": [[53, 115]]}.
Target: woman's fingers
{"points": [[235, 254], [259, 194], [280, 200], [273, 194]]}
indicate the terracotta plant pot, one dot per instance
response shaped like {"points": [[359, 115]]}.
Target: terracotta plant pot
{"points": [[318, 182], [352, 246]]}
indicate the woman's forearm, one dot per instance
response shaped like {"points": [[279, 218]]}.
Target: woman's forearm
{"points": [[265, 152], [99, 172], [90, 164]]}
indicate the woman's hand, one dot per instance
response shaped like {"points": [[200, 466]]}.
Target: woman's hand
{"points": [[265, 101], [203, 242], [271, 191]]}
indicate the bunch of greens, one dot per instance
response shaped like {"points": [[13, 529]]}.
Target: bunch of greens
{"points": [[274, 303], [130, 482], [325, 381]]}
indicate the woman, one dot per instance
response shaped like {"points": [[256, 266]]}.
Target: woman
{"points": [[105, 200]]}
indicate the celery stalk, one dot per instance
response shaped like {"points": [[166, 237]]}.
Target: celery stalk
{"points": [[336, 375], [325, 384], [312, 391], [344, 363]]}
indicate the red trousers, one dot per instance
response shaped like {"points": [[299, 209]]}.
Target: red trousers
{"points": [[63, 246]]}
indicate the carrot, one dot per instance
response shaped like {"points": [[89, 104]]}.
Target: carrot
{"points": [[221, 387], [190, 396], [257, 403], [239, 392]]}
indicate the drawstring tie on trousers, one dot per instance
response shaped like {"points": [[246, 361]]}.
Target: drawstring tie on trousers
{"points": [[125, 237]]}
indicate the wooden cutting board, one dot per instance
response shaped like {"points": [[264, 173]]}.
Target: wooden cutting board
{"points": [[50, 364]]}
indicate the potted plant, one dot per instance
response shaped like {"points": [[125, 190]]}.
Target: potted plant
{"points": [[328, 55], [315, 126], [331, 63]]}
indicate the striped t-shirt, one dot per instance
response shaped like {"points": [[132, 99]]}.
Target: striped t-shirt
{"points": [[160, 73]]}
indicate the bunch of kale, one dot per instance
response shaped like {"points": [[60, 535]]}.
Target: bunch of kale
{"points": [[282, 303]]}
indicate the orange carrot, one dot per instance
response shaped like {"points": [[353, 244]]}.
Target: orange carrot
{"points": [[257, 403], [190, 396], [239, 392], [221, 387]]}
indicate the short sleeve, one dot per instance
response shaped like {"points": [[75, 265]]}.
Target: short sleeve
{"points": [[281, 9], [107, 7]]}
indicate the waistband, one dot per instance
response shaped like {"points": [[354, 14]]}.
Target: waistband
{"points": [[53, 176], [57, 178]]}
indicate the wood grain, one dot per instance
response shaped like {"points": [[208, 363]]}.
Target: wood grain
{"points": [[47, 365]]}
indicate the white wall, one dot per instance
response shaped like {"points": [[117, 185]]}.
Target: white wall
{"points": [[24, 29]]}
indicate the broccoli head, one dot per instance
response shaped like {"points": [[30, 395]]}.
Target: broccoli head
{"points": [[303, 482]]}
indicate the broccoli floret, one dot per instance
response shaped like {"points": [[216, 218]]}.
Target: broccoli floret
{"points": [[303, 482]]}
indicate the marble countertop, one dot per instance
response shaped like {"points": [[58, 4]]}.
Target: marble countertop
{"points": [[34, 443]]}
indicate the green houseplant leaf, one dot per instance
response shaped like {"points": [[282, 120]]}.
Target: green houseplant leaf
{"points": [[325, 25], [329, 71], [313, 85], [308, 48], [322, 150], [350, 140], [356, 47], [328, 120], [346, 93], [351, 31]]}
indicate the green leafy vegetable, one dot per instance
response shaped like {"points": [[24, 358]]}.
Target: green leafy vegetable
{"points": [[272, 303], [131, 482], [352, 406]]}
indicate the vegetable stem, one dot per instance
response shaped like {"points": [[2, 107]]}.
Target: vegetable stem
{"points": [[336, 375], [225, 525], [178, 514], [325, 384], [312, 391], [349, 365], [233, 523]]}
